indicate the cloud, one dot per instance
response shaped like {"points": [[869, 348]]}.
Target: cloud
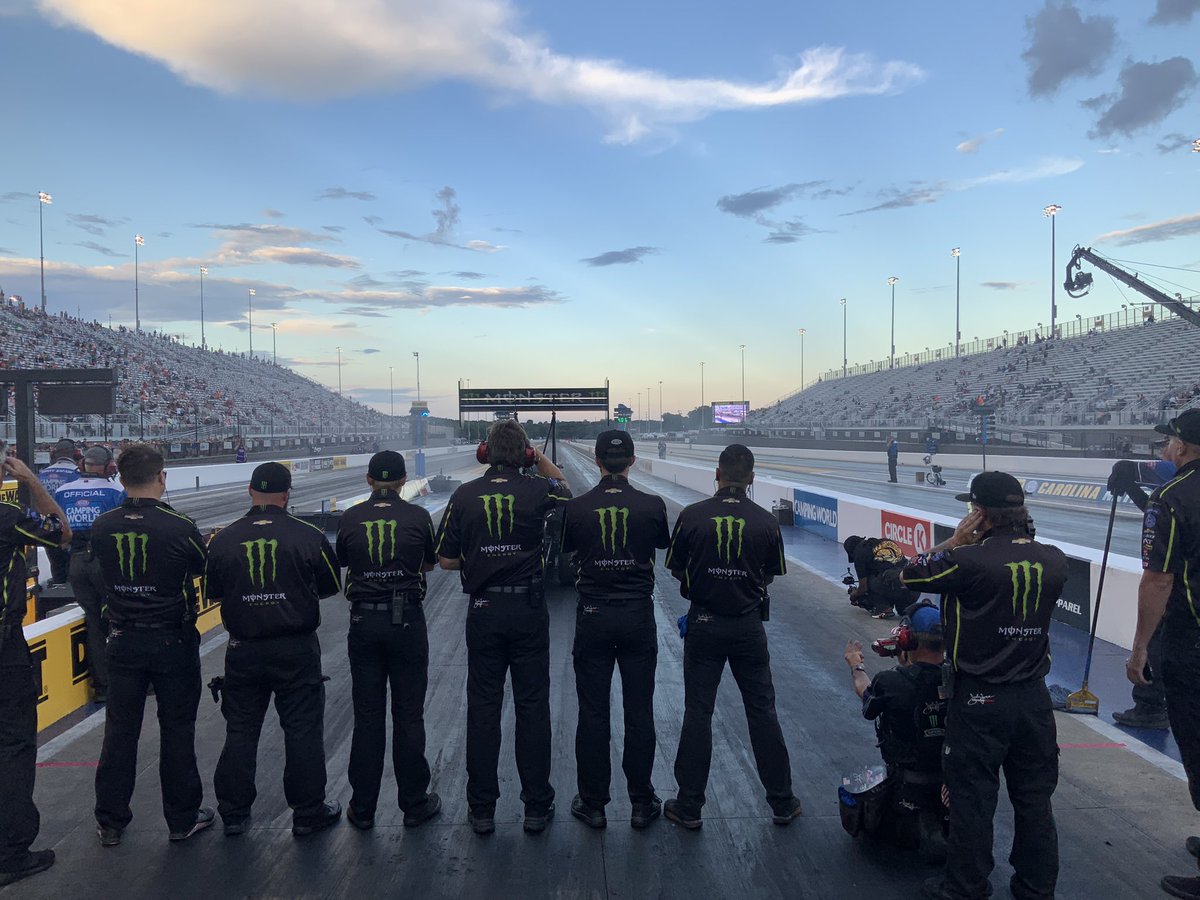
{"points": [[367, 351], [1064, 45], [620, 257], [302, 256], [447, 214], [1001, 285], [14, 196], [373, 221], [408, 273], [972, 144], [262, 235], [430, 296], [1179, 226], [96, 225], [445, 217], [1171, 12], [335, 229], [790, 232], [1172, 142], [272, 213], [897, 198], [1149, 93], [473, 276], [312, 51], [340, 193], [101, 249], [755, 204]]}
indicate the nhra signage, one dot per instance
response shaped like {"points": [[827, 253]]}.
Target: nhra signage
{"points": [[561, 399], [913, 535], [816, 513]]}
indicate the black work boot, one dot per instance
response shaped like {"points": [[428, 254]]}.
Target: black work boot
{"points": [[1140, 716], [645, 812], [588, 815], [1181, 886], [34, 862], [423, 813], [330, 812], [680, 815]]}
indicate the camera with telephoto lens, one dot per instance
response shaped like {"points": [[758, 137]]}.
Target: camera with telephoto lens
{"points": [[850, 581], [888, 646]]}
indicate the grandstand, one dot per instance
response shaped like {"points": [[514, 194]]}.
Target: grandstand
{"points": [[1103, 372], [170, 391]]}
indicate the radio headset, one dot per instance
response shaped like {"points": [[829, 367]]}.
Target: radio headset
{"points": [[481, 455], [906, 638]]}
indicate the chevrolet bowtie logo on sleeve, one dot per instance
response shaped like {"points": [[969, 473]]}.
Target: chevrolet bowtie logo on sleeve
{"points": [[495, 506], [260, 555], [614, 523], [379, 532], [1023, 576], [131, 553], [729, 529]]}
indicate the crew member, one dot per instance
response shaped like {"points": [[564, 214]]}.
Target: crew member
{"points": [[614, 530], [149, 558], [84, 500], [909, 713], [725, 551], [492, 532], [1169, 587], [269, 570], [1149, 708], [893, 456], [63, 469], [19, 819], [877, 563], [387, 544], [1000, 588]]}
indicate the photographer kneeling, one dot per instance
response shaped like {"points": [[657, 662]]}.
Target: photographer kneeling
{"points": [[910, 722], [877, 563]]}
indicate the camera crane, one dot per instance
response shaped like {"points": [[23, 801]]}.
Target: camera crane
{"points": [[1079, 282]]}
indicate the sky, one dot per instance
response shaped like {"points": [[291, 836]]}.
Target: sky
{"points": [[537, 194]]}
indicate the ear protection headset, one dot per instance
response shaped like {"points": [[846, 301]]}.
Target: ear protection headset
{"points": [[906, 638], [481, 455]]}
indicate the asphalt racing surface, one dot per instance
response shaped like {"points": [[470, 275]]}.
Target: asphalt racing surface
{"points": [[1122, 817]]}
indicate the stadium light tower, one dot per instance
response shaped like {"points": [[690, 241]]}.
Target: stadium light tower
{"points": [[250, 319], [742, 347], [339, 353], [392, 391], [892, 358], [956, 253], [1052, 211], [702, 416], [44, 199], [203, 272], [803, 331], [418, 358], [138, 241], [843, 302], [660, 409], [274, 356]]}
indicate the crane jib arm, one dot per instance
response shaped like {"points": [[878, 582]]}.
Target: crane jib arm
{"points": [[1078, 282]]}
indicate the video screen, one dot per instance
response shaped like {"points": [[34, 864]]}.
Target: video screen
{"points": [[730, 413]]}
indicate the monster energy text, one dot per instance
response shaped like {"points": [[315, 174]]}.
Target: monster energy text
{"points": [[614, 521], [129, 545], [729, 528], [495, 506], [379, 531], [259, 554]]}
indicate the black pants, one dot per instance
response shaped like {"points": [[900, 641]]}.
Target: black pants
{"points": [[990, 727], [88, 588], [623, 634], [60, 564], [383, 654], [742, 641], [290, 669], [508, 632], [1181, 679], [169, 660], [891, 468], [1153, 695], [19, 820]]}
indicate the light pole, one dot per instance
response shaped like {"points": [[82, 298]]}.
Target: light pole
{"points": [[660, 409], [44, 199], [844, 357], [339, 353], [1052, 211], [892, 358], [138, 241], [649, 406], [203, 272], [418, 358], [274, 356], [702, 410], [957, 327], [392, 391], [742, 348], [803, 331], [250, 319]]}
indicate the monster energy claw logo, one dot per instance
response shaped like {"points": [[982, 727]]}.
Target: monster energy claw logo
{"points": [[379, 530], [613, 519], [128, 545], [1023, 583], [258, 554], [729, 528], [494, 508]]}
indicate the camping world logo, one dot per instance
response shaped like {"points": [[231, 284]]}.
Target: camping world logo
{"points": [[614, 525], [260, 554], [131, 553], [380, 532], [729, 530], [1023, 577], [495, 508]]}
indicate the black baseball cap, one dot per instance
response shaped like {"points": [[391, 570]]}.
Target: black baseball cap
{"points": [[994, 490], [614, 445], [1185, 426], [271, 478], [386, 465], [64, 449]]}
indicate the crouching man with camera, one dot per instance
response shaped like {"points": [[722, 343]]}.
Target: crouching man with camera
{"points": [[910, 722]]}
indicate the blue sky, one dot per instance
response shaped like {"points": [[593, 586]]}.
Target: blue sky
{"points": [[541, 193]]}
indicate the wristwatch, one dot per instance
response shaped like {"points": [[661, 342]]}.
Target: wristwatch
{"points": [[859, 668]]}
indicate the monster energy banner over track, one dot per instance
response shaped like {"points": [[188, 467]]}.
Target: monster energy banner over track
{"points": [[561, 399]]}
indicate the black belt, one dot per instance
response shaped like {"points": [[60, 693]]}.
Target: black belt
{"points": [[625, 601], [506, 589], [911, 776], [147, 626], [383, 607]]}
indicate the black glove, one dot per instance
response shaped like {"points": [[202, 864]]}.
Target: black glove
{"points": [[1123, 477]]}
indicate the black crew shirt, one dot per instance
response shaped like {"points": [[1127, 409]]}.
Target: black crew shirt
{"points": [[385, 542], [18, 530], [1171, 543], [725, 551], [269, 569], [999, 598], [614, 530], [495, 524], [150, 556], [909, 716]]}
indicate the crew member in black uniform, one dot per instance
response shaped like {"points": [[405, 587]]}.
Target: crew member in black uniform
{"points": [[149, 557], [1000, 587], [19, 819], [614, 529], [387, 544], [492, 532], [725, 551], [269, 570], [1170, 593]]}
